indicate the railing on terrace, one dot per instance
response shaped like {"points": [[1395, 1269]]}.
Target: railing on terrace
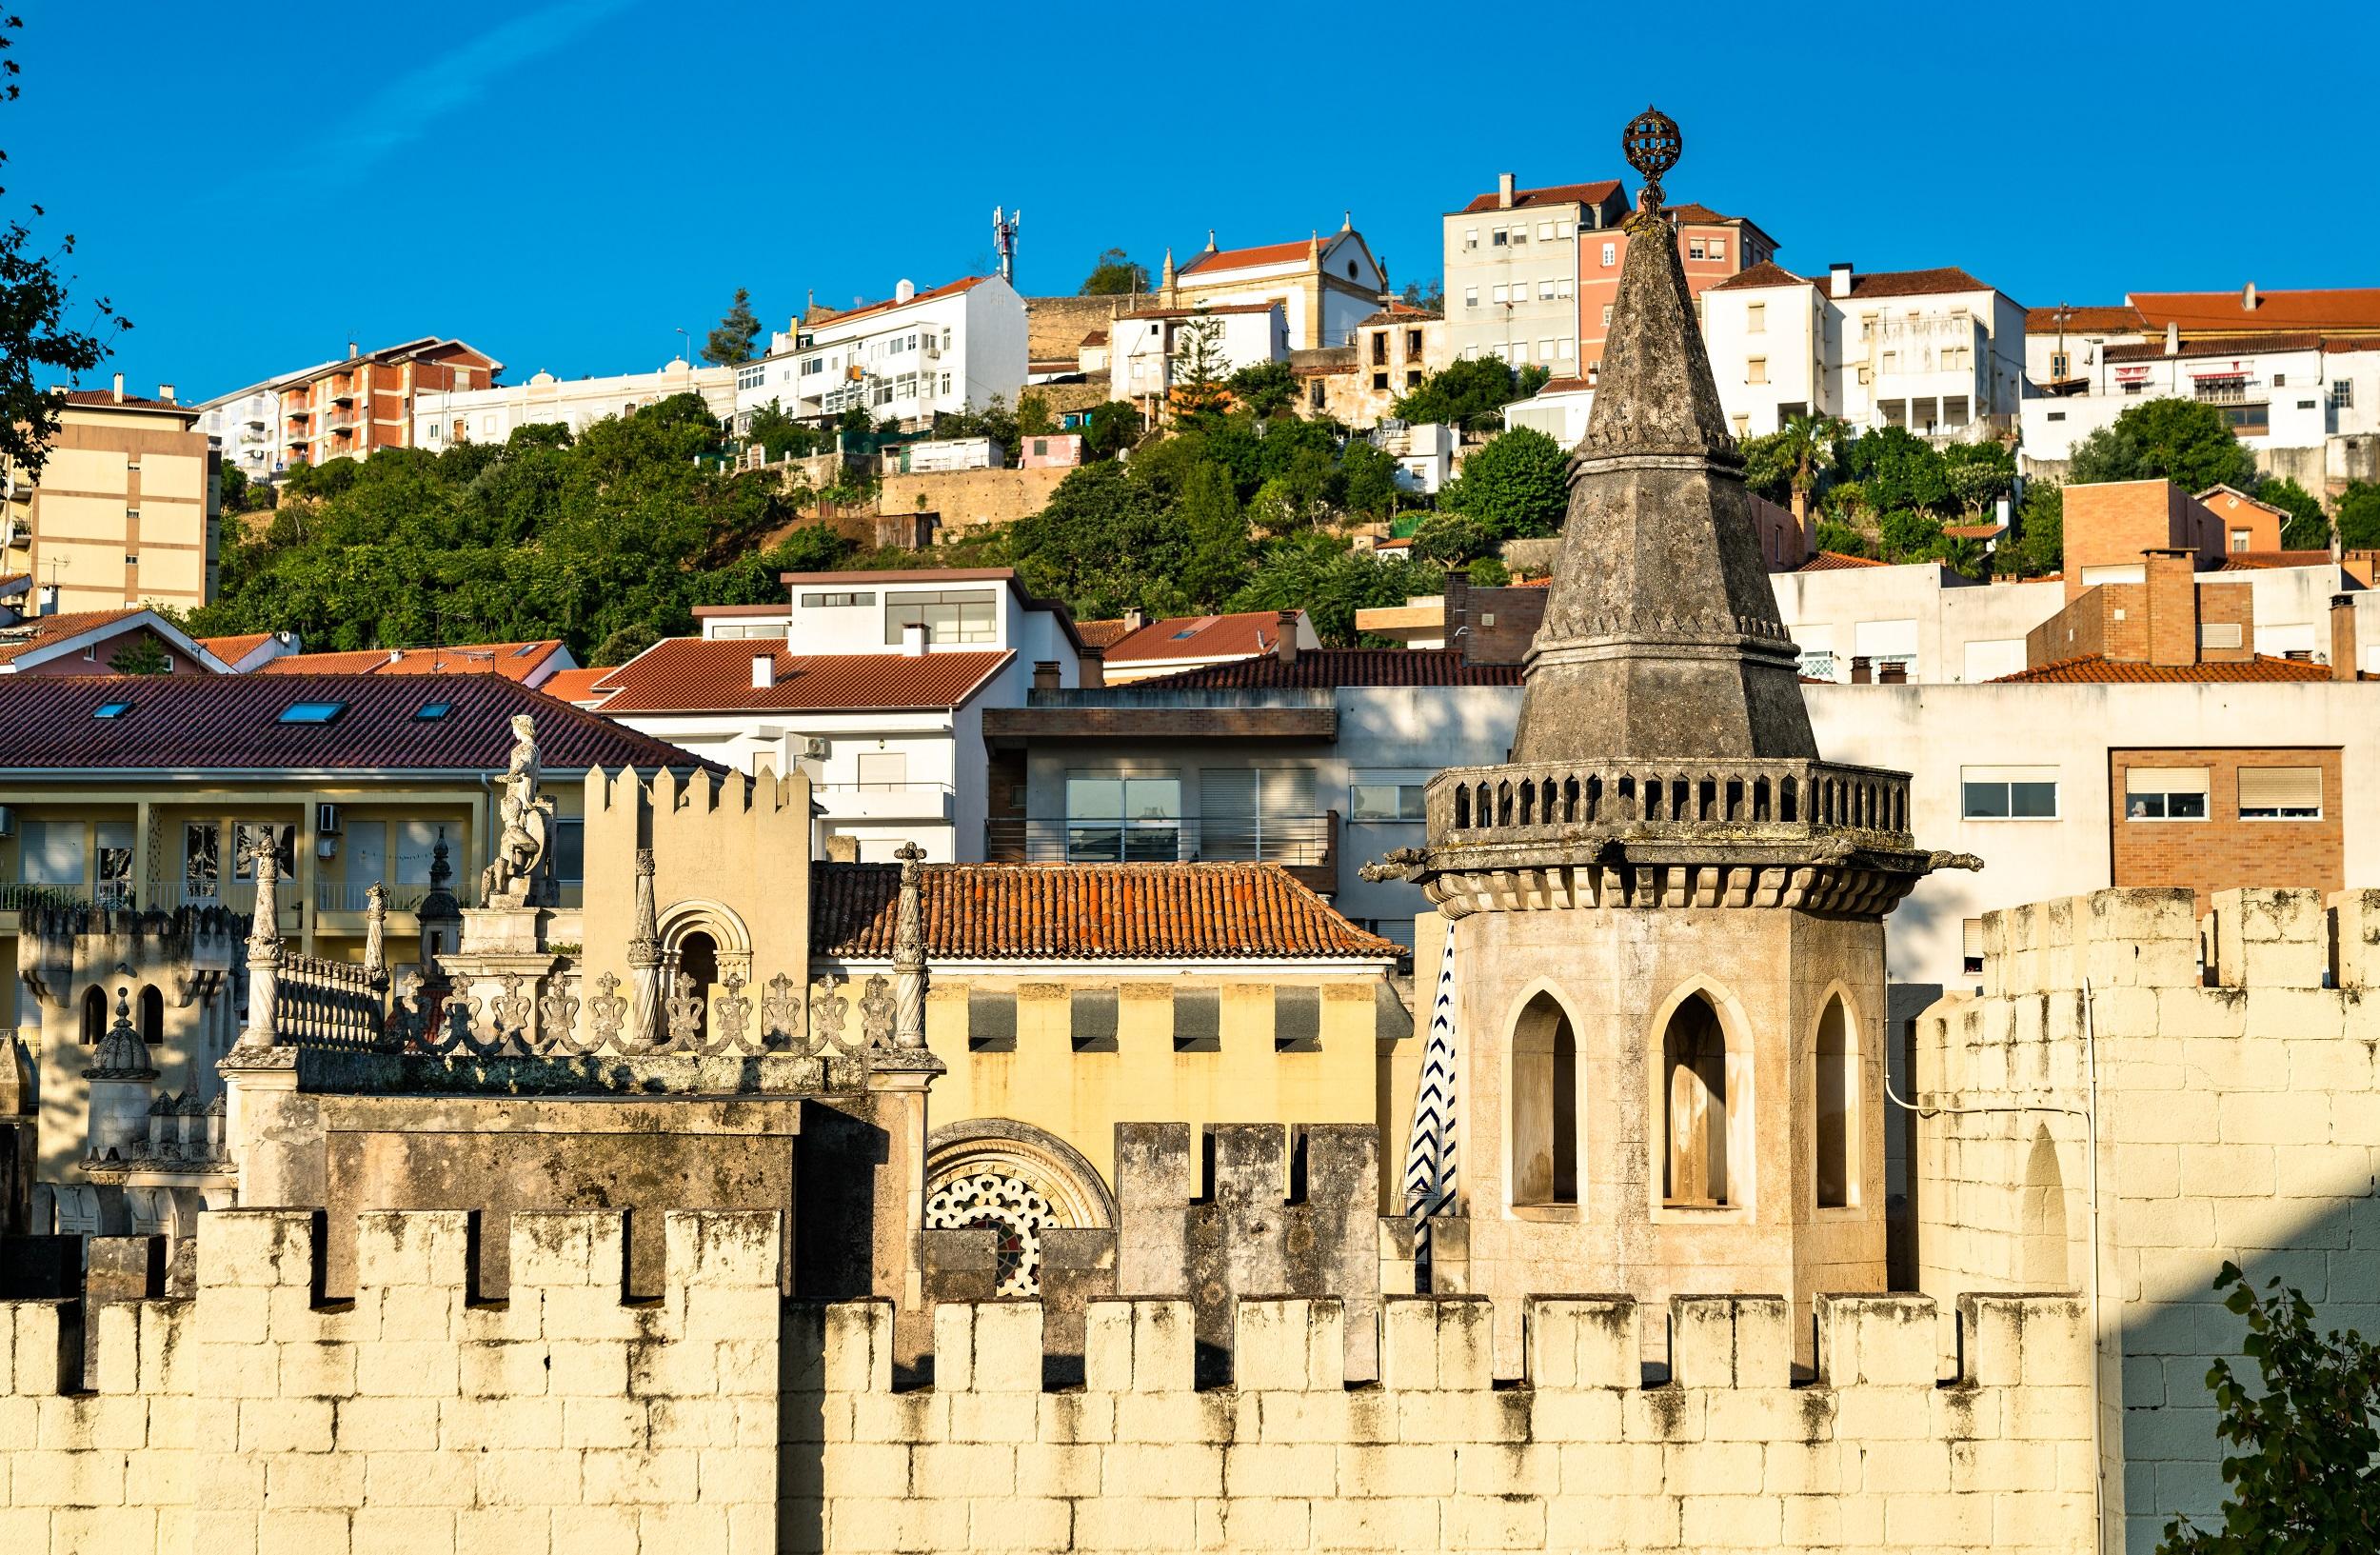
{"points": [[1135, 696], [17, 896], [1665, 798], [327, 1003], [1296, 840]]}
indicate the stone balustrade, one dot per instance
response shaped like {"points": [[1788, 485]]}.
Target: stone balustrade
{"points": [[1659, 800]]}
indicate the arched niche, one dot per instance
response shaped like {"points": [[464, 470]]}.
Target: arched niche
{"points": [[1541, 1086], [1701, 1102], [1837, 1121], [1016, 1180]]}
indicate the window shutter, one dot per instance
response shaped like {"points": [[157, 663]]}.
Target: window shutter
{"points": [[1971, 938], [1227, 813], [2280, 788], [2165, 780]]}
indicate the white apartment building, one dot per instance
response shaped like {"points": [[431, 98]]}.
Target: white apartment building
{"points": [[2062, 344], [1934, 350], [2304, 404], [918, 355], [1145, 347], [1511, 269], [443, 418], [247, 427], [873, 683]]}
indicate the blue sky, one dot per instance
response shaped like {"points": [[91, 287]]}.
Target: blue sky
{"points": [[565, 183]]}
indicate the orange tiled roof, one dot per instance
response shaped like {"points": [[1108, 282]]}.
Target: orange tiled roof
{"points": [[2121, 319], [1200, 637], [105, 399], [1828, 561], [1337, 666], [687, 674], [1086, 912], [2344, 307], [2098, 669], [1101, 633], [2259, 561], [233, 649], [575, 685], [952, 290], [1262, 253], [1939, 281], [43, 629], [513, 660]]}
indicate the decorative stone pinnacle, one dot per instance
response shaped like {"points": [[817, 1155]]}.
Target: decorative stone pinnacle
{"points": [[1651, 143]]}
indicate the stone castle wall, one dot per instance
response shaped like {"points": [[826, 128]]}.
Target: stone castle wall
{"points": [[2237, 1100], [417, 1417]]}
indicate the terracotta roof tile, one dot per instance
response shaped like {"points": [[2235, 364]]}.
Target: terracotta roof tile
{"points": [[1086, 912], [41, 631], [687, 674], [951, 290], [2221, 346], [1200, 637], [1197, 312], [1101, 633], [513, 660], [1943, 280], [233, 722], [105, 399], [1336, 666], [233, 649], [1766, 273], [2097, 670], [2120, 319], [576, 686], [1232, 259], [1830, 561], [1594, 194], [2260, 561], [2344, 307]]}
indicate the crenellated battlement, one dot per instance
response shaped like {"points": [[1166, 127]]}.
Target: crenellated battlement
{"points": [[718, 1416]]}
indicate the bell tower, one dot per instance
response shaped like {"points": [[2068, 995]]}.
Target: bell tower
{"points": [[1666, 911]]}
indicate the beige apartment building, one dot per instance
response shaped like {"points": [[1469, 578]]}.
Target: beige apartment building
{"points": [[124, 511]]}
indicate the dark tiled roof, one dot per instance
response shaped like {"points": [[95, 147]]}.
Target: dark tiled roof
{"points": [[1594, 194], [2098, 669], [2121, 319], [232, 723], [1944, 279], [2226, 345], [1334, 667], [1085, 913], [689, 674]]}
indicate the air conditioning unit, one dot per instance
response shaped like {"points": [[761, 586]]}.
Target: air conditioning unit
{"points": [[813, 748], [326, 820], [8, 820]]}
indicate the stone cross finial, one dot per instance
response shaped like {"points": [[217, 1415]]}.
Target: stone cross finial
{"points": [[909, 949]]}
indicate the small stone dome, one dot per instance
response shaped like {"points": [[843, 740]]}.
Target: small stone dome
{"points": [[121, 1054]]}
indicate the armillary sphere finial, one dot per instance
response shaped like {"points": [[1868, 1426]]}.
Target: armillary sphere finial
{"points": [[1651, 143]]}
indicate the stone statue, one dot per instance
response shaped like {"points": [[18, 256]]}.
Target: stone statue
{"points": [[514, 877], [908, 1023]]}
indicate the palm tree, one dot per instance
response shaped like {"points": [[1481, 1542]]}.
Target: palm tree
{"points": [[1808, 443]]}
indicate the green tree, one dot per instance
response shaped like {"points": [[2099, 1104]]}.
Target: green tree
{"points": [[731, 342], [1201, 366], [1371, 480], [2306, 527], [1896, 470], [235, 488], [1266, 388], [1469, 393], [1034, 418], [1451, 539], [140, 656], [1842, 539], [1324, 576], [1792, 460], [2183, 441], [1107, 540], [1217, 536], [2304, 1469], [1432, 297], [2358, 511], [2039, 544], [1110, 429], [1115, 275], [1517, 484], [1979, 475], [1910, 536], [36, 346], [781, 437], [540, 434]]}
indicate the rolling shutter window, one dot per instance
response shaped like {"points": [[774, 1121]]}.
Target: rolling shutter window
{"points": [[2165, 780], [1198, 1021], [1971, 938], [2289, 793], [991, 1020], [1227, 814], [1093, 1013]]}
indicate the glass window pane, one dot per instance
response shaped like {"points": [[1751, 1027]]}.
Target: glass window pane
{"points": [[2033, 800], [417, 844], [1985, 801], [1152, 799], [1152, 844], [2186, 807], [201, 844], [1374, 801], [1095, 798], [1094, 845]]}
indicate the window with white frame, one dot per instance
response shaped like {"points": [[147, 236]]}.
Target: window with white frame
{"points": [[1757, 369], [1562, 287], [1718, 247], [1385, 800], [1471, 296], [1607, 315], [2165, 793], [2342, 392], [1497, 238], [2280, 793], [1115, 819], [2008, 793], [1545, 350], [1756, 318], [1694, 248], [1563, 228], [1470, 237], [1545, 292], [1611, 254], [1500, 294]]}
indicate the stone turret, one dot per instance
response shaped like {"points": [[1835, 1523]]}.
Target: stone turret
{"points": [[1668, 944]]}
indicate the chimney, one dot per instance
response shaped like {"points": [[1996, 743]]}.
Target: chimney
{"points": [[119, 389], [2343, 660], [352, 352], [1045, 675], [763, 671], [1862, 672], [164, 392], [913, 640], [1503, 191], [1838, 278], [2172, 338], [1135, 618], [2170, 585], [842, 848], [1090, 666], [1285, 647], [2248, 298], [904, 290]]}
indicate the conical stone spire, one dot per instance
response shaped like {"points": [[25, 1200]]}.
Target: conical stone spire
{"points": [[1661, 638]]}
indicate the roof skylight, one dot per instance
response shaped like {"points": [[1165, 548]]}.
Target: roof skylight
{"points": [[112, 709], [312, 712], [433, 710]]}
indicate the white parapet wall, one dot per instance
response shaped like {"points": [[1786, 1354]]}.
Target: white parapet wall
{"points": [[412, 1416], [2228, 1064]]}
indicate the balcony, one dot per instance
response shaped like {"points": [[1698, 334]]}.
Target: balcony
{"points": [[1306, 845], [16, 896], [884, 801], [1739, 801]]}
